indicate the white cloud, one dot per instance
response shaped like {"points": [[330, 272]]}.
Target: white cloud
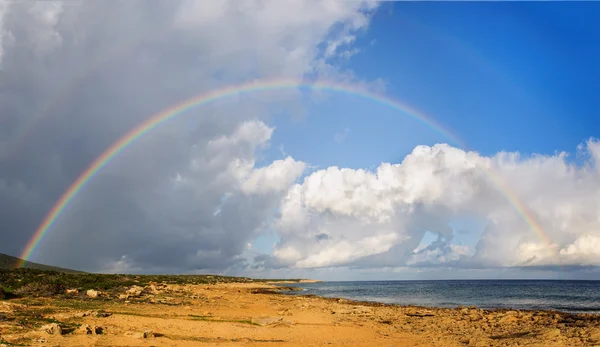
{"points": [[378, 218]]}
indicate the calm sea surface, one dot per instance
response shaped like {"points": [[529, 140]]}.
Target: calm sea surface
{"points": [[568, 296]]}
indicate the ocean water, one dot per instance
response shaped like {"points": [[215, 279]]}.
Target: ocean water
{"points": [[566, 296]]}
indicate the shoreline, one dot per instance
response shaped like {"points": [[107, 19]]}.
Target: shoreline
{"points": [[261, 314], [433, 306]]}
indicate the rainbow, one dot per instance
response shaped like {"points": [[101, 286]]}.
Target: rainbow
{"points": [[223, 93]]}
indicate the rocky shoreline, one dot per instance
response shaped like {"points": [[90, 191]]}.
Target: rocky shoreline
{"points": [[256, 314]]}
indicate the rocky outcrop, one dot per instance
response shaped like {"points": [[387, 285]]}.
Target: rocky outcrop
{"points": [[91, 293], [52, 329]]}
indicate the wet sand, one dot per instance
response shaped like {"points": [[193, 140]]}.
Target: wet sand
{"points": [[254, 314]]}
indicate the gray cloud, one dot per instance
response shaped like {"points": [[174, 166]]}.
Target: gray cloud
{"points": [[71, 84]]}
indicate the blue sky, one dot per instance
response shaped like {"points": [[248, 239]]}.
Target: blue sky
{"points": [[503, 76], [509, 76]]}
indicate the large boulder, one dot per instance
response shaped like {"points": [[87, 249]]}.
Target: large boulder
{"points": [[92, 293], [135, 291]]}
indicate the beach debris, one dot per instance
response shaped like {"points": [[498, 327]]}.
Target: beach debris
{"points": [[92, 293], [52, 329]]}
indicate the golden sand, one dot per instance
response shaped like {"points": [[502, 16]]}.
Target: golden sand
{"points": [[253, 314]]}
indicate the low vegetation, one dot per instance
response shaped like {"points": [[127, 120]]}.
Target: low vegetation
{"points": [[40, 283]]}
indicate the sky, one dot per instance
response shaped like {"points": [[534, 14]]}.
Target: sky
{"points": [[299, 182]]}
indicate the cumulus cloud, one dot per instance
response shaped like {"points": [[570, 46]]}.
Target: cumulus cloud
{"points": [[189, 195], [346, 217]]}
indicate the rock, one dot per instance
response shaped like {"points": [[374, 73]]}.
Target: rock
{"points": [[52, 329], [508, 319], [153, 289], [85, 329], [98, 330], [267, 320], [72, 291], [148, 334], [102, 314], [135, 291], [92, 293], [551, 333], [340, 311], [284, 312], [594, 335], [123, 296]]}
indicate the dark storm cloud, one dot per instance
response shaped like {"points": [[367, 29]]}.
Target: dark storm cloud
{"points": [[76, 76]]}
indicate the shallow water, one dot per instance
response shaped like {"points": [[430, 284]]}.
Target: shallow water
{"points": [[567, 296]]}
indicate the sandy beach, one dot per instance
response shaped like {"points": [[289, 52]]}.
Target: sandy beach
{"points": [[257, 314]]}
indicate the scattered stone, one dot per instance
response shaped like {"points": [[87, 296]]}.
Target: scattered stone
{"points": [[267, 320], [153, 289], [86, 329], [72, 291], [102, 314], [92, 293], [148, 334], [284, 312], [52, 329], [551, 333], [123, 296], [508, 319], [135, 291], [594, 335]]}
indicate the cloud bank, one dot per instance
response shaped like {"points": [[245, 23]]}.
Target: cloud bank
{"points": [[346, 217]]}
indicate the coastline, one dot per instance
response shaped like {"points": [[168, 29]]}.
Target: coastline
{"points": [[260, 314]]}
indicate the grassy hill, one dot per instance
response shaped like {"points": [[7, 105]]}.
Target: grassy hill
{"points": [[8, 262]]}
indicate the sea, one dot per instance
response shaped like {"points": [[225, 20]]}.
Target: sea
{"points": [[559, 295]]}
